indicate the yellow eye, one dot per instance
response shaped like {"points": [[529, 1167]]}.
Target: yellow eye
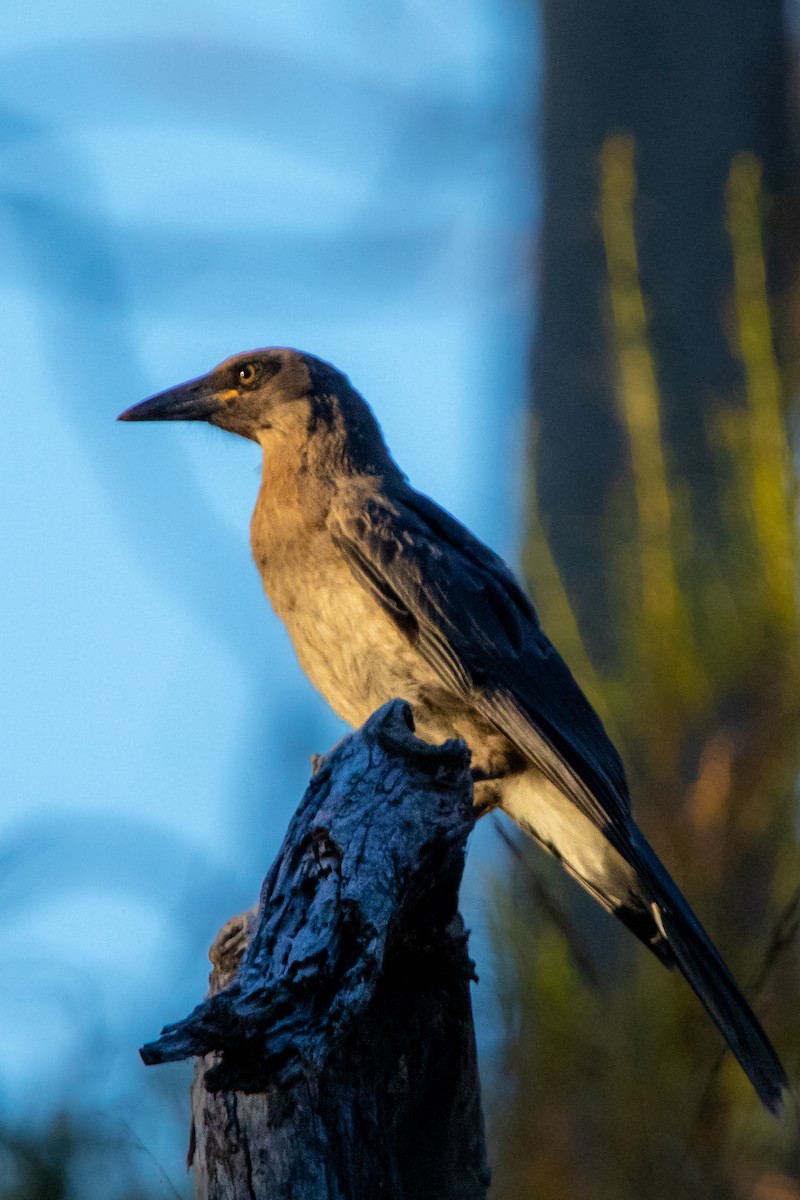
{"points": [[248, 374]]}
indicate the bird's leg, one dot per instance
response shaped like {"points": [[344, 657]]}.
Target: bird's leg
{"points": [[486, 795], [487, 775], [493, 760]]}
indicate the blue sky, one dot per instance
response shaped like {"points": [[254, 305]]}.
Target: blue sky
{"points": [[181, 182]]}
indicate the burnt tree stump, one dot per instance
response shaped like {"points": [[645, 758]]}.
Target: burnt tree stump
{"points": [[336, 1046]]}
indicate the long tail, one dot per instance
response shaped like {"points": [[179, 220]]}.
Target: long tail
{"points": [[686, 943], [656, 912]]}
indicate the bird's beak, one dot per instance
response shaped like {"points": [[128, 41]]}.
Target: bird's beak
{"points": [[192, 401]]}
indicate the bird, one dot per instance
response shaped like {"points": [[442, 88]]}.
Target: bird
{"points": [[385, 594]]}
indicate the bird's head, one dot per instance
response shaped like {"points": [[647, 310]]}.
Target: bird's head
{"points": [[271, 395], [244, 394]]}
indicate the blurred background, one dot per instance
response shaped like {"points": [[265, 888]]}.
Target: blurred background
{"points": [[556, 246]]}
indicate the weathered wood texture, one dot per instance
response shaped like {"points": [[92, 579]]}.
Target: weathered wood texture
{"points": [[339, 1059]]}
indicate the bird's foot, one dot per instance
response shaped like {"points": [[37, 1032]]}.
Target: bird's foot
{"points": [[485, 796], [484, 806]]}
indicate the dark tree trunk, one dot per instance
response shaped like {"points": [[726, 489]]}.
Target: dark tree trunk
{"points": [[662, 553], [339, 1052], [695, 84]]}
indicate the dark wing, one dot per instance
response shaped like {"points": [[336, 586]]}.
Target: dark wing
{"points": [[462, 608]]}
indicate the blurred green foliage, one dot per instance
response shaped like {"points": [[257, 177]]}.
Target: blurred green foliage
{"points": [[618, 1088]]}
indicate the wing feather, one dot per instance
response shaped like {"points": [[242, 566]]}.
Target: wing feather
{"points": [[462, 608]]}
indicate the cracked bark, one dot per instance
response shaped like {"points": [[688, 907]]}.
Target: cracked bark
{"points": [[336, 1046]]}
